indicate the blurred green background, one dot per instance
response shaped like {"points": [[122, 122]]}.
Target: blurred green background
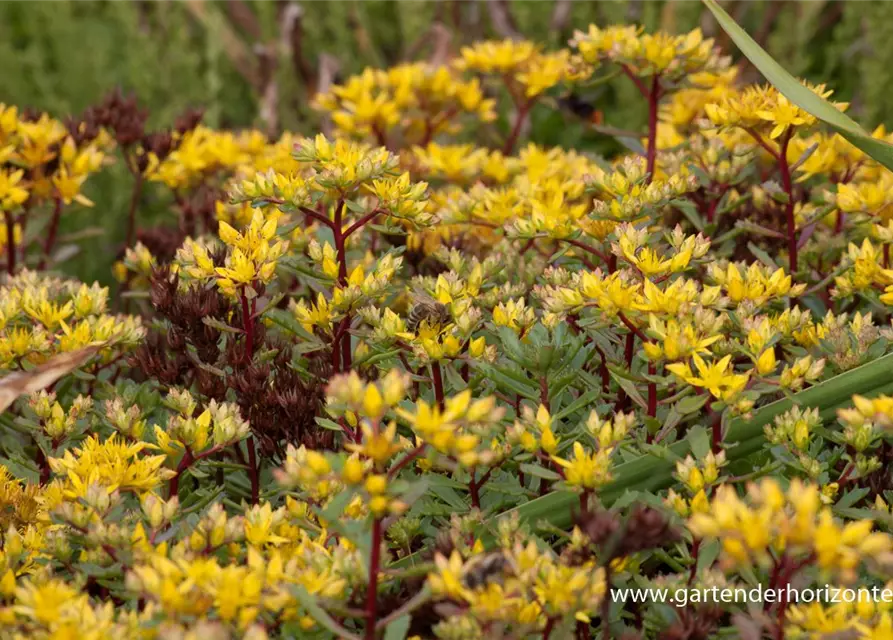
{"points": [[256, 63]]}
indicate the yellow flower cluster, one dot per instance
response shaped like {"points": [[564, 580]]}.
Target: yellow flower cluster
{"points": [[203, 152], [214, 428], [527, 71], [763, 110], [41, 161], [399, 382], [771, 522], [41, 316], [521, 589], [649, 54], [409, 102], [250, 260]]}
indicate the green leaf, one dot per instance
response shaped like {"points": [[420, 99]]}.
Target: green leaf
{"points": [[852, 497], [287, 321], [699, 441], [690, 404], [649, 473], [514, 350], [631, 390], [450, 496], [500, 376], [762, 256], [800, 95], [398, 629], [376, 358], [539, 472], [585, 400], [356, 207], [326, 423], [319, 614]]}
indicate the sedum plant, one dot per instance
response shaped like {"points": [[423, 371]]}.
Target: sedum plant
{"points": [[425, 378]]}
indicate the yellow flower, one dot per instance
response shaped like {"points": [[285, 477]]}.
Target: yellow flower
{"points": [[12, 194], [784, 114], [260, 523], [766, 363], [586, 470], [502, 56], [46, 603], [717, 377], [447, 581]]}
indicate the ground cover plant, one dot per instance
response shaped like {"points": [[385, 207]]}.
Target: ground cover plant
{"points": [[422, 378]]}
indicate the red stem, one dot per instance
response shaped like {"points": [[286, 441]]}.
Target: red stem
{"points": [[253, 471], [475, 495], [717, 433], [339, 243], [372, 590], [10, 243], [362, 221], [336, 340], [632, 76], [547, 630], [787, 185], [342, 343], [310, 213], [247, 326], [134, 202], [592, 250], [638, 332], [695, 550], [437, 380], [346, 354], [53, 229], [651, 151], [474, 487], [510, 142], [711, 209], [44, 466], [336, 357], [174, 485], [628, 355], [845, 476], [759, 139], [187, 461], [652, 392], [405, 460], [629, 349]]}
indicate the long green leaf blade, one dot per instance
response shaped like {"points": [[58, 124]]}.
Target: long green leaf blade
{"points": [[800, 95], [745, 438], [649, 473]]}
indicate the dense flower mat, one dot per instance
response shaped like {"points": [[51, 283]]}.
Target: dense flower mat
{"points": [[343, 363]]}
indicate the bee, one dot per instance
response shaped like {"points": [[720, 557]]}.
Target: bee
{"points": [[485, 569], [582, 108], [428, 310]]}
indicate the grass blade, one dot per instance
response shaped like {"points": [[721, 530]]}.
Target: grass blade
{"points": [[745, 438], [794, 91], [650, 474]]}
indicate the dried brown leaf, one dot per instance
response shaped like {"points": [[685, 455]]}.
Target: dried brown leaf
{"points": [[42, 376]]}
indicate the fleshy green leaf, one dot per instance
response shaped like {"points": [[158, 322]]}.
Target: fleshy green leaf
{"points": [[319, 614], [699, 441], [398, 628]]}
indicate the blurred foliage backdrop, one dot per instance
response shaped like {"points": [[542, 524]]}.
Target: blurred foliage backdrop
{"points": [[256, 63]]}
